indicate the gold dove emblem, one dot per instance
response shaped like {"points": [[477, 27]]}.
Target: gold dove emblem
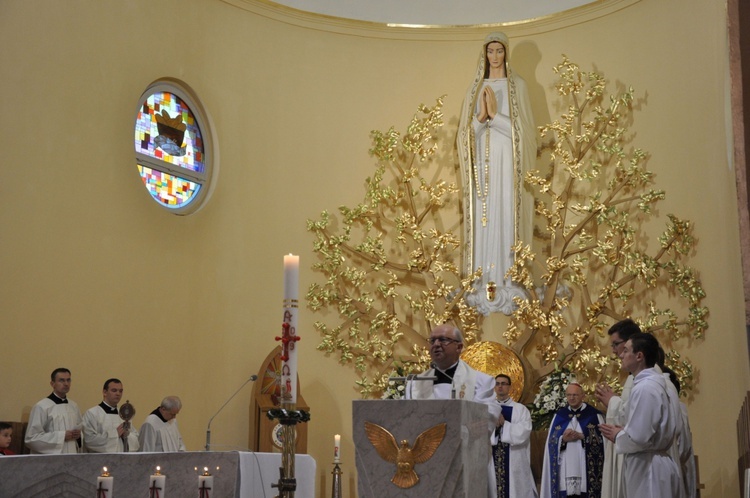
{"points": [[403, 456]]}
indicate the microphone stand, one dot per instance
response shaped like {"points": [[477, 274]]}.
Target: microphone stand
{"points": [[208, 429]]}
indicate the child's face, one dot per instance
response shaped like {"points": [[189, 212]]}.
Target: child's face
{"points": [[5, 437]]}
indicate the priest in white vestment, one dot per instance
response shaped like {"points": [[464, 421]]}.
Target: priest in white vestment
{"points": [[648, 469], [103, 429], [456, 380], [574, 451], [55, 422], [511, 449], [159, 432], [616, 411]]}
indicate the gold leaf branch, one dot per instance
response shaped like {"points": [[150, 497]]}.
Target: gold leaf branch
{"points": [[389, 268], [594, 204]]}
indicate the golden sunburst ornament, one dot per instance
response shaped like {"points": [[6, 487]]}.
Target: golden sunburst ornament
{"points": [[493, 358]]}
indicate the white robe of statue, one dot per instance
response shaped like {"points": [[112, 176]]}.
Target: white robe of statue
{"points": [[494, 156]]}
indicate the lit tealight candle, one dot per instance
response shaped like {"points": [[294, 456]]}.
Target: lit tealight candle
{"points": [[104, 484], [205, 483], [156, 484], [337, 448]]}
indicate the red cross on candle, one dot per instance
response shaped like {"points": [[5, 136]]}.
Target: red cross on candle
{"points": [[204, 490], [286, 338], [153, 490], [101, 491]]}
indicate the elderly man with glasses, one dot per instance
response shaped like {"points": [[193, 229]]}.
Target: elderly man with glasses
{"points": [[159, 432], [574, 452], [456, 380]]}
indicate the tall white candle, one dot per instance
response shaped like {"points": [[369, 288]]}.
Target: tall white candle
{"points": [[291, 307], [337, 448], [104, 484], [156, 484]]}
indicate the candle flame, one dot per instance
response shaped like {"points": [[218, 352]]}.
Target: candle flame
{"points": [[158, 470], [205, 471], [105, 473]]}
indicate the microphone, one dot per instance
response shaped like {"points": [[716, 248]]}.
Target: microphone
{"points": [[409, 380], [208, 429]]}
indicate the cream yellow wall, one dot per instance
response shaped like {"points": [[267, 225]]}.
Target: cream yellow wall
{"points": [[98, 278]]}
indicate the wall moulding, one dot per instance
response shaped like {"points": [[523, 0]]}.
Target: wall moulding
{"points": [[369, 29]]}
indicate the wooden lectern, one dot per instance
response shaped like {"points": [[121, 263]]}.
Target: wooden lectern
{"points": [[459, 465], [267, 432]]}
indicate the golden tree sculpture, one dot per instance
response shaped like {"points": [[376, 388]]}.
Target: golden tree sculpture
{"points": [[598, 264], [391, 274], [390, 264]]}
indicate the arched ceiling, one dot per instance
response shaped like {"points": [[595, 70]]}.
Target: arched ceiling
{"points": [[437, 12]]}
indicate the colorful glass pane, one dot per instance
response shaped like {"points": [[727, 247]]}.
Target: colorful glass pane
{"points": [[167, 130], [169, 190]]}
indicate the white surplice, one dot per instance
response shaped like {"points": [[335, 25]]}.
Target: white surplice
{"points": [[687, 463], [617, 414], [517, 434], [100, 432], [157, 435], [48, 422], [648, 470]]}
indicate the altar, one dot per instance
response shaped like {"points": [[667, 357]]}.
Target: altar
{"points": [[236, 474]]}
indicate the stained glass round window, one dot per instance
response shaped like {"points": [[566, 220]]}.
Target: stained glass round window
{"points": [[174, 147]]}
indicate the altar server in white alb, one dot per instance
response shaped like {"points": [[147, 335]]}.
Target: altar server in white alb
{"points": [[103, 429], [648, 470], [681, 450], [159, 432], [617, 413], [55, 422], [510, 445]]}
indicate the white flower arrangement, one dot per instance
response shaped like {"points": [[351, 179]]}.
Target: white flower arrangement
{"points": [[394, 390], [550, 398]]}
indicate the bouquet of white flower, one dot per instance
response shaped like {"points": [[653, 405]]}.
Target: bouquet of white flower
{"points": [[551, 397], [394, 390]]}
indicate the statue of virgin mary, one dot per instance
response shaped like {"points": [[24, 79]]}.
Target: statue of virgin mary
{"points": [[496, 146]]}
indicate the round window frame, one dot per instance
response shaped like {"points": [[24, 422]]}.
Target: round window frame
{"points": [[206, 179]]}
